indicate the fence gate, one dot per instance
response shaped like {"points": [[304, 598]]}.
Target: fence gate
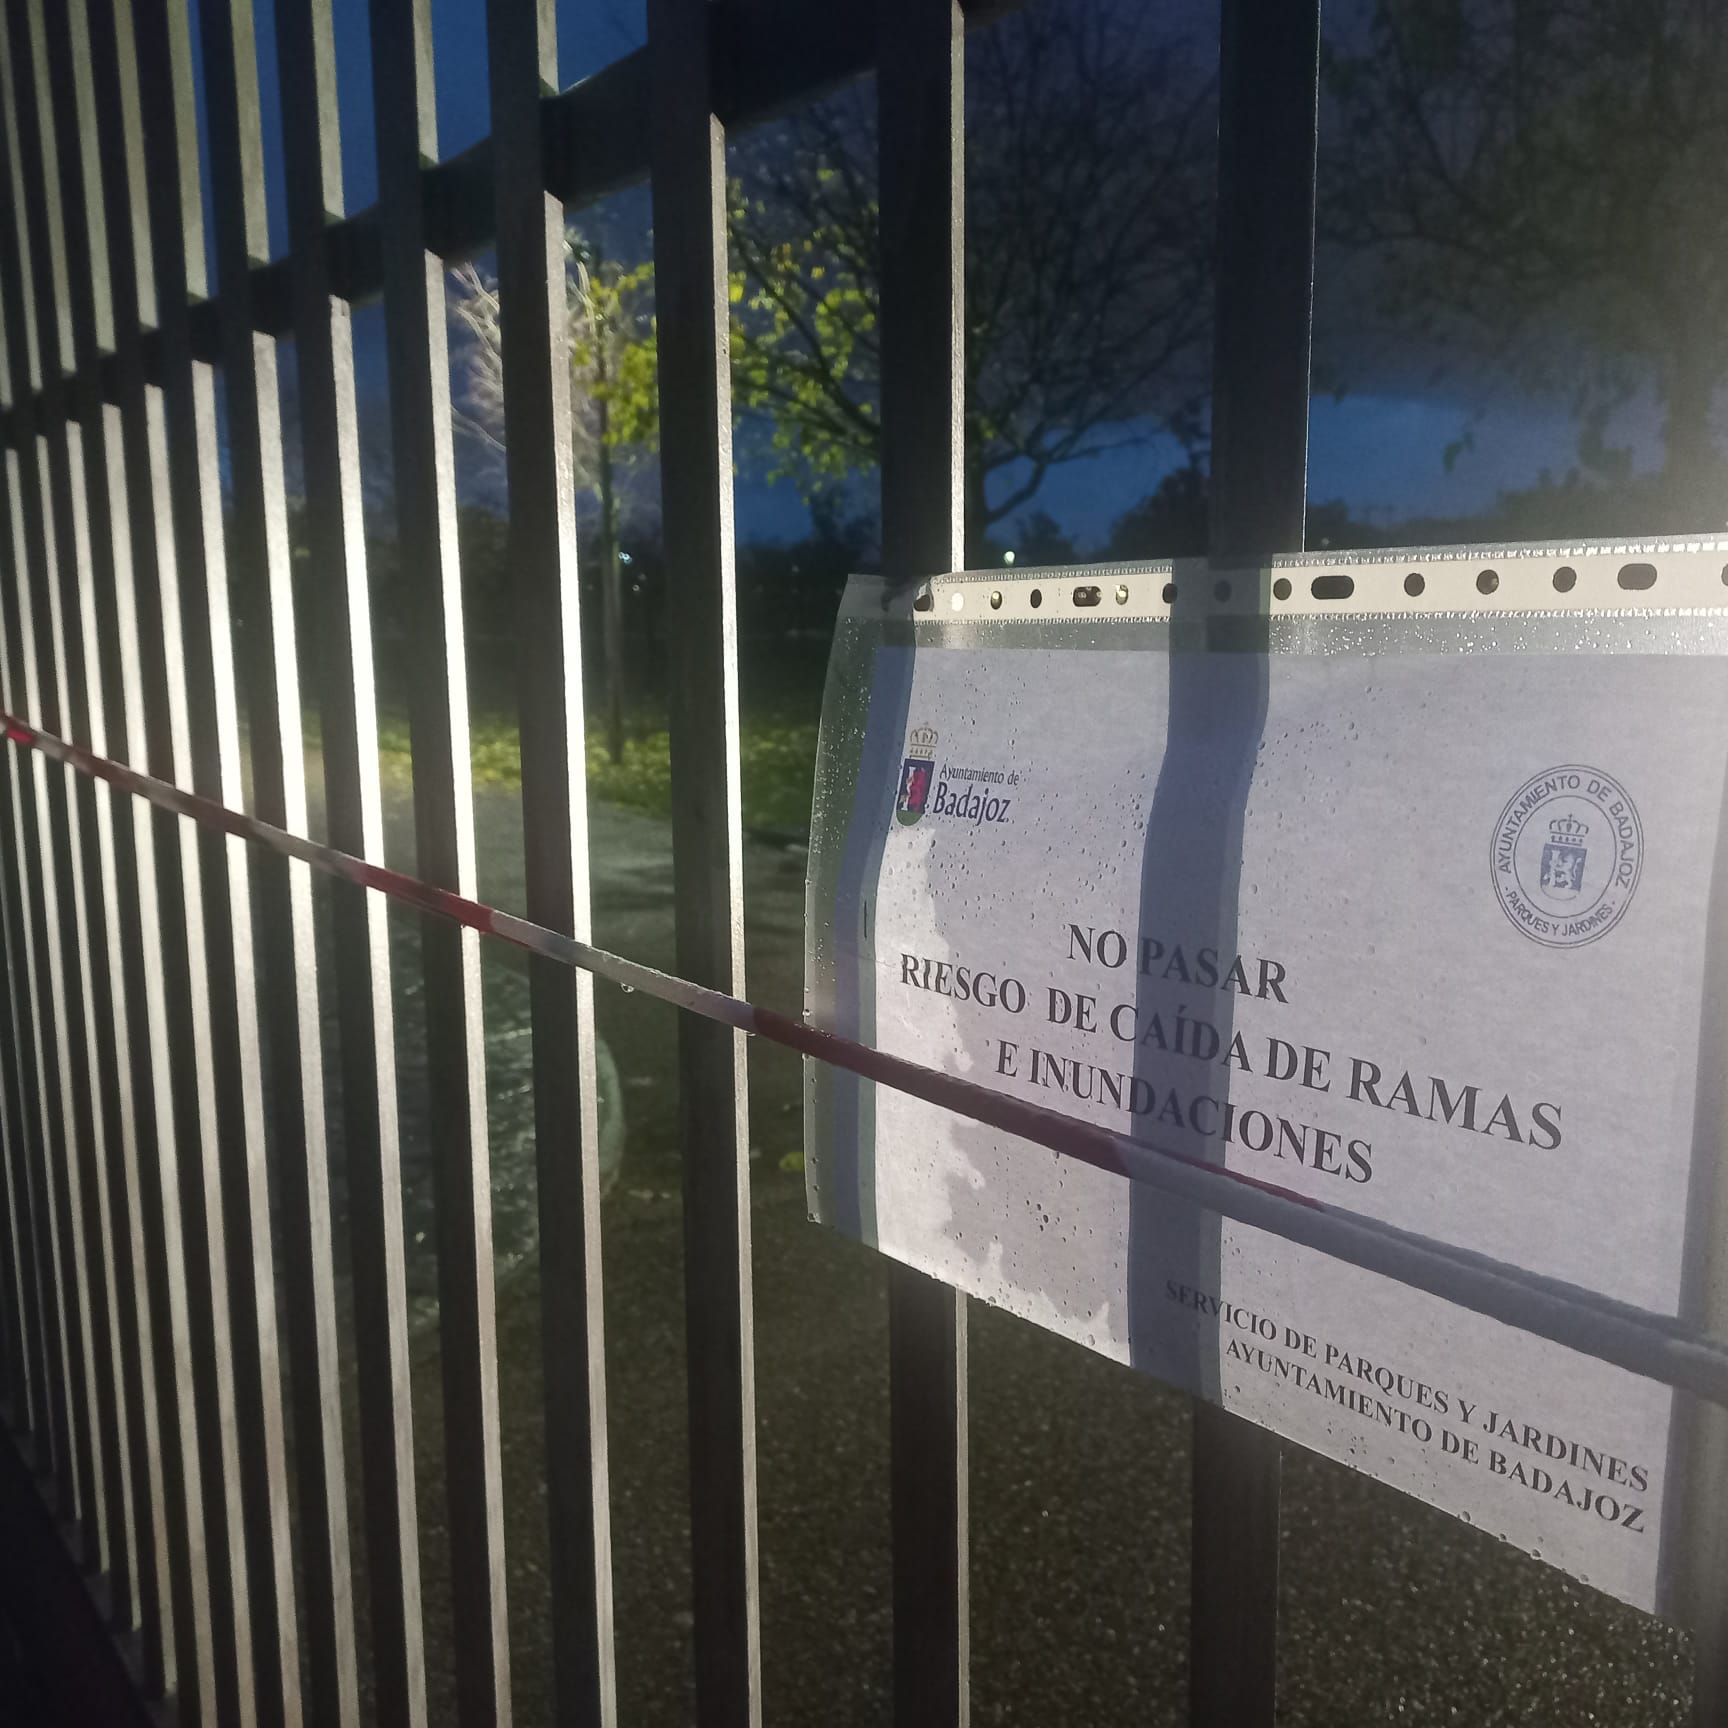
{"points": [[164, 1073]]}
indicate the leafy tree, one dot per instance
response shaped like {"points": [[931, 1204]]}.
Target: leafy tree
{"points": [[610, 310], [1088, 257], [1540, 183], [614, 406]]}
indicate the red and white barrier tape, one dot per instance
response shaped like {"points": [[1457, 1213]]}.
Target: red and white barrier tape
{"points": [[1660, 1347]]}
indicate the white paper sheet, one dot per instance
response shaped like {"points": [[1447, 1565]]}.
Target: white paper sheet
{"points": [[1423, 936]]}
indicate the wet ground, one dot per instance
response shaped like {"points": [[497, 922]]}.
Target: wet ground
{"points": [[1389, 1612]]}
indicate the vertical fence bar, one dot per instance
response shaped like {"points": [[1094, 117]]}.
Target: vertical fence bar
{"points": [[70, 98], [12, 1384], [77, 676], [18, 1393], [27, 1414], [18, 1296], [353, 796], [1267, 142], [22, 1076], [920, 96], [690, 265], [263, 569], [52, 956], [225, 1202], [540, 472], [33, 1393], [425, 479], [15, 1297]]}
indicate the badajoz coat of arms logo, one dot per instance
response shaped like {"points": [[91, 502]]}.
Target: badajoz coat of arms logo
{"points": [[916, 774], [1566, 856]]}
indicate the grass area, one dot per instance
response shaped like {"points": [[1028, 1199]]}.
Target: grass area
{"points": [[777, 762]]}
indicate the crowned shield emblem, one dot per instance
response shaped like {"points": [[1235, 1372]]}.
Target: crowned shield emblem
{"points": [[1563, 856], [916, 773]]}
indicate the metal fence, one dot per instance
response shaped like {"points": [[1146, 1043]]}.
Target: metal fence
{"points": [[154, 953]]}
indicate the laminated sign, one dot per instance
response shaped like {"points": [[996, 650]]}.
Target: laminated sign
{"points": [[1384, 881]]}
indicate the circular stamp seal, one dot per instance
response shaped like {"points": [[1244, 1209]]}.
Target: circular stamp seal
{"points": [[1566, 855]]}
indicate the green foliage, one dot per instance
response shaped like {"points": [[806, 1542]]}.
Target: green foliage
{"points": [[801, 316], [494, 748], [640, 780], [777, 757], [610, 329], [777, 761], [614, 354], [803, 324], [779, 772], [395, 752]]}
